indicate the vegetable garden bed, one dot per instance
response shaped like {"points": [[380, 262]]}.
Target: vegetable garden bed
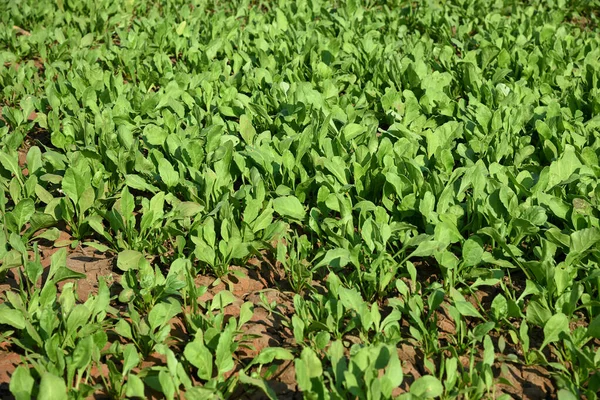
{"points": [[299, 199]]}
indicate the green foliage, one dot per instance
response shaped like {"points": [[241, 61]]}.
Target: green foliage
{"points": [[396, 159]]}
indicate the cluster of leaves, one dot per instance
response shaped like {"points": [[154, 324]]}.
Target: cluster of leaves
{"points": [[367, 144]]}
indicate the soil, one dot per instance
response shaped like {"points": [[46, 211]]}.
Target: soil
{"points": [[526, 382], [94, 266], [8, 363]]}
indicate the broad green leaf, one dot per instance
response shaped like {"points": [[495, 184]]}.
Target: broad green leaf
{"points": [[289, 206], [269, 354], [77, 318], [258, 383], [134, 387], [223, 354], [52, 387], [307, 366], [246, 129], [186, 209], [200, 357], [127, 203], [82, 355], [155, 135], [167, 173], [593, 329], [138, 183], [537, 313], [352, 131], [11, 317], [10, 163], [74, 184], [472, 252], [67, 273], [427, 249], [21, 383], [131, 358], [564, 167], [23, 212], [129, 259], [426, 387], [222, 299], [464, 307], [499, 307], [557, 324], [564, 394]]}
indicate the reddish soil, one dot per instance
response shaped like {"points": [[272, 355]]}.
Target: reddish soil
{"points": [[526, 382], [8, 363], [94, 265]]}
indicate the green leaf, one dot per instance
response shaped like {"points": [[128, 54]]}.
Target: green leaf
{"points": [[155, 135], [223, 354], [222, 299], [23, 212], [51, 234], [138, 183], [537, 314], [74, 184], [246, 129], [564, 394], [557, 325], [467, 309], [289, 206], [282, 21], [131, 358], [351, 131], [21, 383], [335, 257], [135, 387], [269, 354], [246, 313], [307, 366], [427, 387], [34, 159], [351, 299], [52, 388], [427, 249], [65, 273], [200, 357], [167, 173], [259, 383], [98, 246], [564, 167], [472, 251], [186, 209], [82, 355], [127, 203], [11, 317], [10, 163], [129, 259], [464, 307], [181, 28], [123, 328], [160, 314], [77, 318], [499, 307], [593, 329]]}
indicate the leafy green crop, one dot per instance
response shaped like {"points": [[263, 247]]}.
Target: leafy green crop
{"points": [[404, 195]]}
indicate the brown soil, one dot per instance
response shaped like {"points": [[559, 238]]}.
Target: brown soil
{"points": [[8, 363], [94, 265], [526, 382]]}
